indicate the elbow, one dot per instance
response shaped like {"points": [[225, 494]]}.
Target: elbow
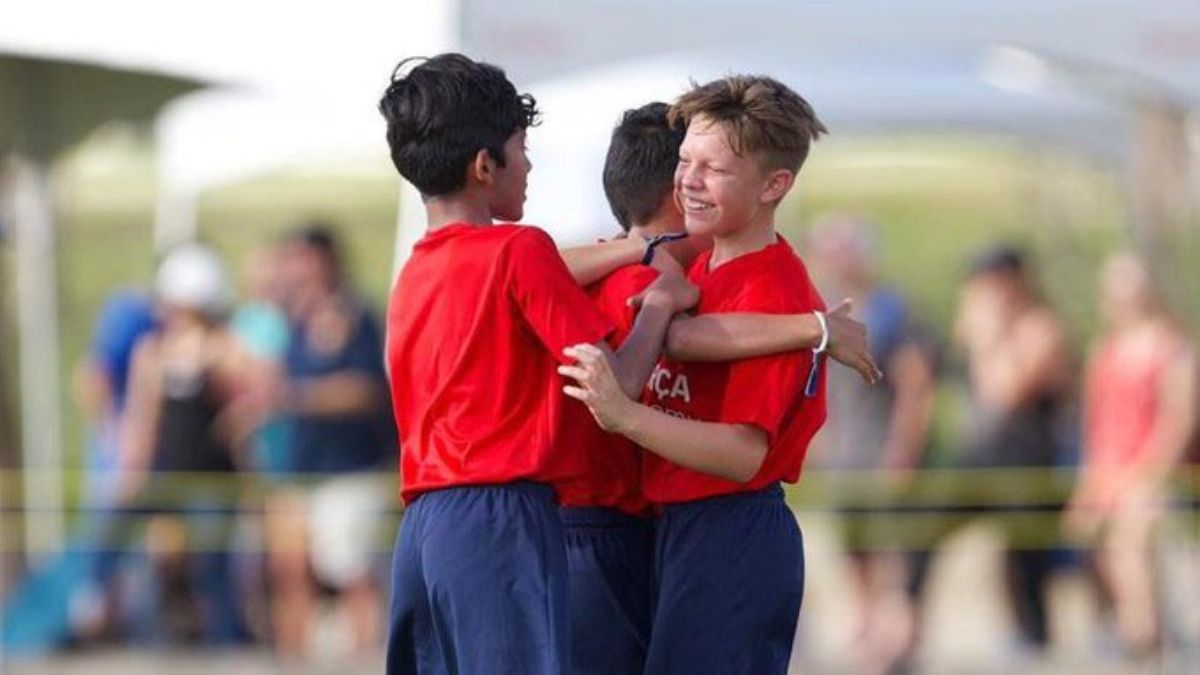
{"points": [[742, 473], [749, 459]]}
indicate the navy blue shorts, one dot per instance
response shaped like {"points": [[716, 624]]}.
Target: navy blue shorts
{"points": [[479, 584], [729, 575], [609, 564]]}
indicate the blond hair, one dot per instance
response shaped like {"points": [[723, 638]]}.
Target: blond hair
{"points": [[761, 116]]}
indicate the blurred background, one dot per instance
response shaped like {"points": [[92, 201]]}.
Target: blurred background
{"points": [[199, 224]]}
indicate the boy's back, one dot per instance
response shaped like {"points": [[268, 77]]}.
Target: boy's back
{"points": [[476, 319]]}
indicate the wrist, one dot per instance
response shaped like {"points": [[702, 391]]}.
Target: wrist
{"points": [[823, 325], [626, 419], [659, 301], [807, 331]]}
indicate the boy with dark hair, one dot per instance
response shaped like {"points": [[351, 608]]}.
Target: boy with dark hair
{"points": [[609, 536], [728, 553], [479, 317]]}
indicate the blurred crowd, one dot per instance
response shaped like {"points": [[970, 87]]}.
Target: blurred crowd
{"points": [[241, 453], [239, 459], [1079, 467]]}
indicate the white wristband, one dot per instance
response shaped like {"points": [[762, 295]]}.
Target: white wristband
{"points": [[820, 349]]}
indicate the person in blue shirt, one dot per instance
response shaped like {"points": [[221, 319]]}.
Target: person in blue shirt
{"points": [[323, 530]]}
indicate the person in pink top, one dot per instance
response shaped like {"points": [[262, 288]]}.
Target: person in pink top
{"points": [[1139, 416]]}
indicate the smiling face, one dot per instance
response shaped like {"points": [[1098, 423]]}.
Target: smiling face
{"points": [[722, 192], [510, 181]]}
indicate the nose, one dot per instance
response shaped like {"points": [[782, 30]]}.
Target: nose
{"points": [[687, 176]]}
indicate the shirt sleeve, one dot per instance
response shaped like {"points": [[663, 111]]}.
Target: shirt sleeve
{"points": [[547, 297], [612, 298]]}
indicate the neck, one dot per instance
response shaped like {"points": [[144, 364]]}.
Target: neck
{"points": [[654, 227], [749, 239], [443, 211]]}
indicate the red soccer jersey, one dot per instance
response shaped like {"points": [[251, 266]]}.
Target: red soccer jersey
{"points": [[477, 324], [613, 474], [767, 392]]}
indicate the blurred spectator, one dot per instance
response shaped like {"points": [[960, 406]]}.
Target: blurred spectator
{"points": [[101, 384], [177, 447], [875, 434], [1019, 372], [1139, 416], [261, 326], [324, 530], [71, 596]]}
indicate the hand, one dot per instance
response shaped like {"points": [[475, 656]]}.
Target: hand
{"points": [[664, 261], [598, 387], [670, 290], [848, 343]]}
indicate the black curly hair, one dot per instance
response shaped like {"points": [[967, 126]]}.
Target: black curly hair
{"points": [[443, 111]]}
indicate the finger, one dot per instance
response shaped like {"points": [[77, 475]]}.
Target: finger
{"points": [[577, 393], [636, 300], [867, 370], [876, 373], [866, 373], [575, 373], [583, 352], [587, 354], [843, 307]]}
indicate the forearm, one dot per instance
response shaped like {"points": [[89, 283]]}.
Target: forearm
{"points": [[634, 361], [728, 337], [732, 452], [338, 395], [912, 410], [592, 262]]}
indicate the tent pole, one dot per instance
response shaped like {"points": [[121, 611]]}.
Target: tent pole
{"points": [[38, 339]]}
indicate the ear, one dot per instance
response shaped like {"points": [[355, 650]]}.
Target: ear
{"points": [[482, 168], [779, 182]]}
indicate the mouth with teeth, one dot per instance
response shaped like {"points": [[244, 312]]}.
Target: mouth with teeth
{"points": [[692, 204]]}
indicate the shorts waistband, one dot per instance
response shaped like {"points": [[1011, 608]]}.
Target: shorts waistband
{"points": [[533, 489], [597, 516], [770, 493]]}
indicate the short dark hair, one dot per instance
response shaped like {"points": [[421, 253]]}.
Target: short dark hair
{"points": [[760, 115], [443, 112], [320, 237], [998, 259], [640, 168]]}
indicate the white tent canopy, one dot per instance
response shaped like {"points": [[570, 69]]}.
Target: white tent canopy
{"points": [[46, 106], [1157, 41], [580, 109], [304, 83]]}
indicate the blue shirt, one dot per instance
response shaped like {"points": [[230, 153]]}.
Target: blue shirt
{"points": [[125, 317], [340, 444]]}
